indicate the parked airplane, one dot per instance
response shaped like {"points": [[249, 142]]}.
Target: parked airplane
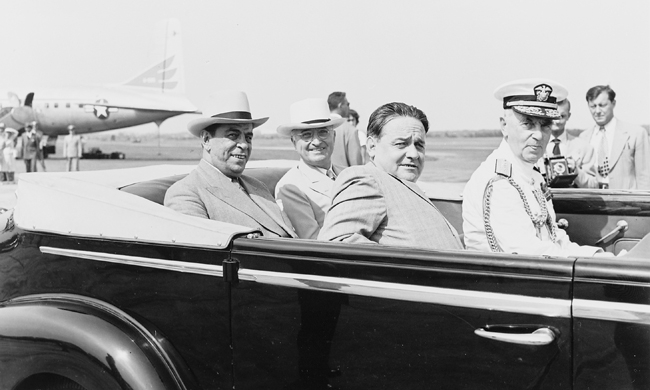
{"points": [[153, 96]]}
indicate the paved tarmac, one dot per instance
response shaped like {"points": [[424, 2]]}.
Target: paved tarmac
{"points": [[450, 160]]}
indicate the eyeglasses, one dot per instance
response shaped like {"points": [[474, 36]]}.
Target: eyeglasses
{"points": [[308, 135]]}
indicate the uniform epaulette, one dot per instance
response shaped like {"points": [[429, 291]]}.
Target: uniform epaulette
{"points": [[503, 168]]}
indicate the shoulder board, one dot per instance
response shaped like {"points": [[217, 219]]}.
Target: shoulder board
{"points": [[503, 168]]}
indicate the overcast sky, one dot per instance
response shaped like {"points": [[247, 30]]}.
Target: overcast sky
{"points": [[446, 57]]}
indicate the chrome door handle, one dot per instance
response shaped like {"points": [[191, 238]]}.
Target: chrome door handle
{"points": [[542, 336], [621, 226]]}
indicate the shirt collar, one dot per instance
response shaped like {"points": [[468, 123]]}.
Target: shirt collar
{"points": [[563, 137], [609, 127], [218, 170], [311, 170]]}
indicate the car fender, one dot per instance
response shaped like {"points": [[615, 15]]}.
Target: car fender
{"points": [[85, 340]]}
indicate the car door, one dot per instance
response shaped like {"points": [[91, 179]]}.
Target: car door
{"points": [[307, 314], [611, 328], [615, 220]]}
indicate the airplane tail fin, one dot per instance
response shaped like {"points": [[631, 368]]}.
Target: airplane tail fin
{"points": [[167, 74]]}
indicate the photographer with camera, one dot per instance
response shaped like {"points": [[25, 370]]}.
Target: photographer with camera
{"points": [[569, 160]]}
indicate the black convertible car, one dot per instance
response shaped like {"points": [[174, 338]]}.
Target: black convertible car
{"points": [[101, 287]]}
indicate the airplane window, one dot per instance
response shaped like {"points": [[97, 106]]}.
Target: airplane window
{"points": [[47, 105], [56, 105], [67, 105], [81, 106]]}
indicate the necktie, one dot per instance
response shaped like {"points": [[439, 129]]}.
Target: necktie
{"points": [[603, 151], [238, 184], [331, 174], [556, 147]]}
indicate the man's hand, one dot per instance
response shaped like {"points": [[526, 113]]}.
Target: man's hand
{"points": [[571, 164], [603, 254]]}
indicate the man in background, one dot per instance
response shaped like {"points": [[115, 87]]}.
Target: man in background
{"points": [[72, 149], [31, 143], [579, 154], [347, 149], [353, 119], [622, 149]]}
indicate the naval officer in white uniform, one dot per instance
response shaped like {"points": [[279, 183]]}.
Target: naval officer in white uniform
{"points": [[506, 204]]}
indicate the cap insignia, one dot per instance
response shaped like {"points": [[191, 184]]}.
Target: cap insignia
{"points": [[543, 91]]}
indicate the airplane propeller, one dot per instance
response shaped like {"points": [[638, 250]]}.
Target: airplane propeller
{"points": [[21, 113]]}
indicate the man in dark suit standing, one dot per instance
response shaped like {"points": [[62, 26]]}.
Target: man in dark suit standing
{"points": [[347, 149], [217, 189], [622, 149], [31, 143], [380, 202]]}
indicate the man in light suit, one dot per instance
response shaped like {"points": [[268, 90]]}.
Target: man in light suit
{"points": [[217, 188], [347, 149], [622, 149], [72, 149], [304, 192], [579, 154], [380, 203]]}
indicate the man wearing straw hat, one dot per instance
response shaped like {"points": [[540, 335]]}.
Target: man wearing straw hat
{"points": [[304, 191], [217, 189]]}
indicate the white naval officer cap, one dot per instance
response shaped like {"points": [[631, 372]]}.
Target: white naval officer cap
{"points": [[533, 97]]}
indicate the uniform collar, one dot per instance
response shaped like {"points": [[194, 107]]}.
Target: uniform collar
{"points": [[523, 168]]}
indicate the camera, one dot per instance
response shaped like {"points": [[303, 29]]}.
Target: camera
{"points": [[558, 174]]}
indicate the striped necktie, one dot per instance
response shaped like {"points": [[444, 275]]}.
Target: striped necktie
{"points": [[603, 151]]}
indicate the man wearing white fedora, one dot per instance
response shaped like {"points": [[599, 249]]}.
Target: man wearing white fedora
{"points": [[217, 188], [303, 193]]}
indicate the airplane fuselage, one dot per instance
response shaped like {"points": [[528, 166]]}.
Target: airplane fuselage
{"points": [[101, 108], [86, 118]]}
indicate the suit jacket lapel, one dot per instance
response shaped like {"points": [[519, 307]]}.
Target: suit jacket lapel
{"points": [[270, 214], [414, 188], [317, 181], [228, 192], [418, 191], [620, 138]]}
